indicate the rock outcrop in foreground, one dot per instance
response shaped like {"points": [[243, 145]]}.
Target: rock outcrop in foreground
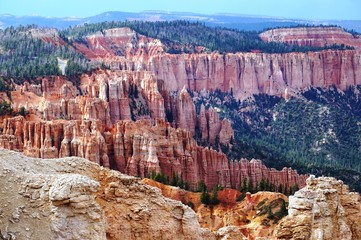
{"points": [[324, 209], [139, 148], [72, 198]]}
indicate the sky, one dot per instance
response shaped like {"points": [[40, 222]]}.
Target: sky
{"points": [[304, 9]]}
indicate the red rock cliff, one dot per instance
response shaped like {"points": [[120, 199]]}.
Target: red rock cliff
{"points": [[244, 73], [312, 36], [118, 42], [110, 96], [252, 73], [138, 148]]}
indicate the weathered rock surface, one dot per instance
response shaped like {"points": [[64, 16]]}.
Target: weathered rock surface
{"points": [[110, 96], [186, 112], [49, 35], [202, 123], [253, 73], [72, 198], [245, 214], [138, 148], [212, 127], [312, 36], [119, 42], [40, 200], [226, 134], [243, 73], [324, 209]]}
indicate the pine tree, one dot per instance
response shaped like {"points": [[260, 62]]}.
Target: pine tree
{"points": [[214, 199], [244, 185], [205, 199], [250, 186]]}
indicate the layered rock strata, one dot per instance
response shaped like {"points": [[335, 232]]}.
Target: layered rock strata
{"points": [[242, 73], [138, 149], [324, 209], [253, 73], [118, 42], [110, 96], [312, 36]]}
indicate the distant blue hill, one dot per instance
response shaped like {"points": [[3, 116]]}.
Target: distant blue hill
{"points": [[241, 22]]}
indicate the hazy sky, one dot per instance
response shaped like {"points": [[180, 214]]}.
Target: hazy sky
{"points": [[309, 9]]}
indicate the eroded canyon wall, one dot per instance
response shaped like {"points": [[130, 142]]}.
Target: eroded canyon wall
{"points": [[110, 96], [252, 73], [244, 73], [138, 148]]}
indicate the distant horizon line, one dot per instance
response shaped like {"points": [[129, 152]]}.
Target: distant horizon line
{"points": [[180, 12]]}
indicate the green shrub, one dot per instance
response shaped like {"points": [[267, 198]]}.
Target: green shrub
{"points": [[6, 108], [241, 197]]}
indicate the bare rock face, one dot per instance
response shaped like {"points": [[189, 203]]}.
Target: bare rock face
{"points": [[53, 139], [110, 87], [57, 87], [245, 214], [72, 198], [212, 127], [40, 200], [226, 135], [230, 232], [255, 170], [180, 152], [119, 42], [313, 36], [214, 124], [49, 35], [186, 112], [138, 149], [253, 73], [324, 209], [151, 92], [247, 73], [202, 123], [110, 96], [12, 133], [243, 73]]}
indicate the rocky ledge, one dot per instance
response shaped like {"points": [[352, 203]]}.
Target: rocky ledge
{"points": [[73, 198], [324, 209]]}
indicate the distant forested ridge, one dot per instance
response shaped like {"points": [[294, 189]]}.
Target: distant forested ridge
{"points": [[25, 56], [196, 34]]}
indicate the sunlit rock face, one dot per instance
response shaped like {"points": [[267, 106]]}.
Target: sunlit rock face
{"points": [[312, 36], [138, 148], [72, 198], [252, 73], [243, 73], [324, 209]]}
